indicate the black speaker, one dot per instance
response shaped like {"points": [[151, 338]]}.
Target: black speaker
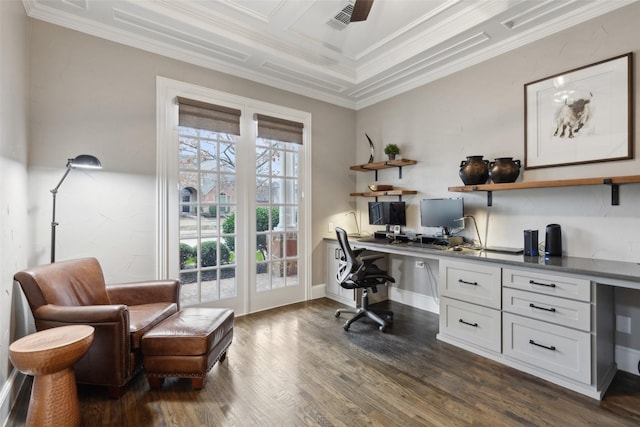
{"points": [[553, 240], [530, 242]]}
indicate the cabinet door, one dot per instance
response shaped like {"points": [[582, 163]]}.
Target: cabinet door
{"points": [[472, 323], [470, 282], [561, 350], [550, 284], [561, 311], [333, 289]]}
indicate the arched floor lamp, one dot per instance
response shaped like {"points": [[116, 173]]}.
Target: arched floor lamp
{"points": [[83, 161]]}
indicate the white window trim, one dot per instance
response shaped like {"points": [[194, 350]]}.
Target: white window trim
{"points": [[167, 158]]}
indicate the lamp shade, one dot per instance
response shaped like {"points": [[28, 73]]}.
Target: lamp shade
{"points": [[85, 161]]}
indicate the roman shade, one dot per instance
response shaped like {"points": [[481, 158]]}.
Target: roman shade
{"points": [[202, 115], [279, 129]]}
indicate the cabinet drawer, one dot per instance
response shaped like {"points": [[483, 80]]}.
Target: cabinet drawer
{"points": [[561, 311], [550, 284], [554, 348], [473, 323], [479, 284]]}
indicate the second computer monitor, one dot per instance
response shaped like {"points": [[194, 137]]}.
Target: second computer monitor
{"points": [[443, 213]]}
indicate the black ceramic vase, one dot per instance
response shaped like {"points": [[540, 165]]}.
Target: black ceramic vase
{"points": [[474, 170], [504, 170]]}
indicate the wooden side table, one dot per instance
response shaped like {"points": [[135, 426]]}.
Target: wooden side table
{"points": [[49, 356]]}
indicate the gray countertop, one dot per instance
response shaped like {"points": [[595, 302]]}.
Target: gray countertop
{"points": [[613, 271]]}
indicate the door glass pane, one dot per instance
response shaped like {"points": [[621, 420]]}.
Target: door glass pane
{"points": [[207, 215], [291, 191], [228, 157], [208, 156], [277, 159], [188, 153], [277, 190], [278, 198]]}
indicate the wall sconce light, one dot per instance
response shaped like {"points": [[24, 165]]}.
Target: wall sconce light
{"points": [[83, 161]]}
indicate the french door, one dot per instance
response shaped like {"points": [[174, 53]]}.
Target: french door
{"points": [[232, 207], [277, 233]]}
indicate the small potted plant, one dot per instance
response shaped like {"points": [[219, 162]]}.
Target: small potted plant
{"points": [[391, 150]]}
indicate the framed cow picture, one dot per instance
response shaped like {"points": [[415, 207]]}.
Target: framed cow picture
{"points": [[580, 116]]}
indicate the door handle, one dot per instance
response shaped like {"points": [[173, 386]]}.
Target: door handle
{"points": [[532, 305]]}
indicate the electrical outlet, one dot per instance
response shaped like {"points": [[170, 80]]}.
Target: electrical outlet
{"points": [[623, 324], [331, 228], [419, 264]]}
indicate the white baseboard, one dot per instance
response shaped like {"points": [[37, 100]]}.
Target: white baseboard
{"points": [[627, 359], [318, 291], [9, 393], [423, 302]]}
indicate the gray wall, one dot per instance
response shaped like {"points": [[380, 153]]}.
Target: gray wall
{"points": [[480, 111], [13, 189], [98, 97]]}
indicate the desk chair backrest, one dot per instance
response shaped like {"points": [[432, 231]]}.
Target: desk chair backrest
{"points": [[349, 262]]}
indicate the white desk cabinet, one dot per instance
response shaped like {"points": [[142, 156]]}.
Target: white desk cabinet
{"points": [[566, 303], [550, 326], [470, 303], [556, 326]]}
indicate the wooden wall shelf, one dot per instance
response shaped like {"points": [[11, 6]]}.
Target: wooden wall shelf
{"points": [[613, 181], [377, 194], [376, 166]]}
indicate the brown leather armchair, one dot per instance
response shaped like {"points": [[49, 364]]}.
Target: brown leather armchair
{"points": [[74, 292]]}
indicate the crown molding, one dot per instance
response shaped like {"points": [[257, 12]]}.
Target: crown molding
{"points": [[344, 88]]}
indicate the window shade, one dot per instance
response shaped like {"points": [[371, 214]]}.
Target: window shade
{"points": [[201, 115], [279, 129]]}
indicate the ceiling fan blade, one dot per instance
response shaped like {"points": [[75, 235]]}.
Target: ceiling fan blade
{"points": [[361, 10]]}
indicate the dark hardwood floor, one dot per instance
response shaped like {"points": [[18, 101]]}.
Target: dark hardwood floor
{"points": [[296, 366]]}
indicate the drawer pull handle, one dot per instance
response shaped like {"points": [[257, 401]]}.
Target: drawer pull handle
{"points": [[552, 347], [467, 283], [475, 325], [532, 305], [551, 285]]}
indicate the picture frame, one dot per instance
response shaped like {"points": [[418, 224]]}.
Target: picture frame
{"points": [[580, 116]]}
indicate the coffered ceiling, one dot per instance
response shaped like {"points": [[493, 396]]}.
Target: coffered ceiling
{"points": [[295, 45]]}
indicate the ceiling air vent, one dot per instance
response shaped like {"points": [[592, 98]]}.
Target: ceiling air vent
{"points": [[342, 18]]}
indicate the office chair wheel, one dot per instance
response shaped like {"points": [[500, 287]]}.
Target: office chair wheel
{"points": [[382, 329], [337, 314], [346, 326]]}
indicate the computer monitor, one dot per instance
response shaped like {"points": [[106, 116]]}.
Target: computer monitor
{"points": [[387, 213], [443, 213]]}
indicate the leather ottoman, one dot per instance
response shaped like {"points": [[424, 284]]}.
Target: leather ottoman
{"points": [[187, 345]]}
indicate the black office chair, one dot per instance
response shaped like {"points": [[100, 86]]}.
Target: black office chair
{"points": [[355, 271]]}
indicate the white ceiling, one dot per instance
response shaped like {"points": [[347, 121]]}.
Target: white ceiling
{"points": [[289, 44]]}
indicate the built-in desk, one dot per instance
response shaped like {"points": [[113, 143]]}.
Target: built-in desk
{"points": [[616, 273], [553, 318]]}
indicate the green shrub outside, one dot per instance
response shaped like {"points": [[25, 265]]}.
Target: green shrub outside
{"points": [[229, 227], [187, 252], [209, 252], [262, 224]]}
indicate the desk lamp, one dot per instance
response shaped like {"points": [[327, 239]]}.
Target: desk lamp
{"points": [[83, 161]]}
